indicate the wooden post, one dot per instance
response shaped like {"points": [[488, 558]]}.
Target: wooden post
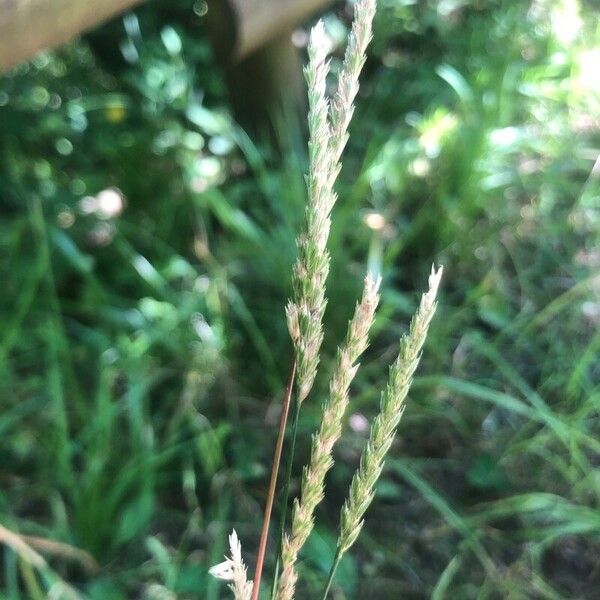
{"points": [[253, 41], [28, 26], [257, 21]]}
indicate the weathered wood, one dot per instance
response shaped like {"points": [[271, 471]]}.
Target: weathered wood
{"points": [[267, 84], [253, 41], [258, 21], [28, 26]]}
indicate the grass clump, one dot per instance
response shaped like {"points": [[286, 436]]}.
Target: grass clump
{"points": [[328, 136]]}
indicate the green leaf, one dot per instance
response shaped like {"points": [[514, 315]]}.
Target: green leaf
{"points": [[67, 247], [486, 473], [135, 518]]}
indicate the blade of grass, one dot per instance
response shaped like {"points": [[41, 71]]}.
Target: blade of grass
{"points": [[443, 583], [510, 403], [437, 501]]}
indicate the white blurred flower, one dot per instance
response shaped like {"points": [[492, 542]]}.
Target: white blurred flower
{"points": [[420, 167], [374, 220], [109, 203], [358, 423]]}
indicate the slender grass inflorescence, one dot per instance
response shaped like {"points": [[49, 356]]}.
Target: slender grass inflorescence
{"points": [[233, 569], [328, 128], [305, 312], [321, 460], [383, 429], [342, 105]]}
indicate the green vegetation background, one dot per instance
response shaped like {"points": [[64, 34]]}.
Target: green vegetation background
{"points": [[143, 347]]}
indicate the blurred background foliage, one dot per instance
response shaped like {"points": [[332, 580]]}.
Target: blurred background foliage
{"points": [[146, 244]]}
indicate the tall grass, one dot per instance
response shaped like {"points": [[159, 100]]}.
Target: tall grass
{"points": [[328, 136]]}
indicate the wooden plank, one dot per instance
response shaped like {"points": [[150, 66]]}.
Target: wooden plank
{"points": [[253, 41], [28, 26], [257, 22]]}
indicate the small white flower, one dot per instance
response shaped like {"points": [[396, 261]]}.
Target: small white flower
{"points": [[109, 203]]}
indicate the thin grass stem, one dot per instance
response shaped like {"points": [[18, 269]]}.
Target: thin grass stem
{"points": [[332, 571], [260, 559], [286, 496]]}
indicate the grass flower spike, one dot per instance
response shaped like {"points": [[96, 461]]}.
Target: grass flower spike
{"points": [[328, 127], [233, 569], [342, 105], [305, 312], [384, 426], [321, 460]]}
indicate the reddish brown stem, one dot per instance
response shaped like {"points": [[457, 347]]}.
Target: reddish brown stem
{"points": [[262, 546]]}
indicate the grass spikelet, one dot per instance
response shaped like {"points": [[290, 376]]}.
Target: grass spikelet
{"points": [[329, 432], [328, 127], [233, 569], [342, 105], [383, 429], [305, 312]]}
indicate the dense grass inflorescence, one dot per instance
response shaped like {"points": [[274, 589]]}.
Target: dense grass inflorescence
{"points": [[142, 348]]}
